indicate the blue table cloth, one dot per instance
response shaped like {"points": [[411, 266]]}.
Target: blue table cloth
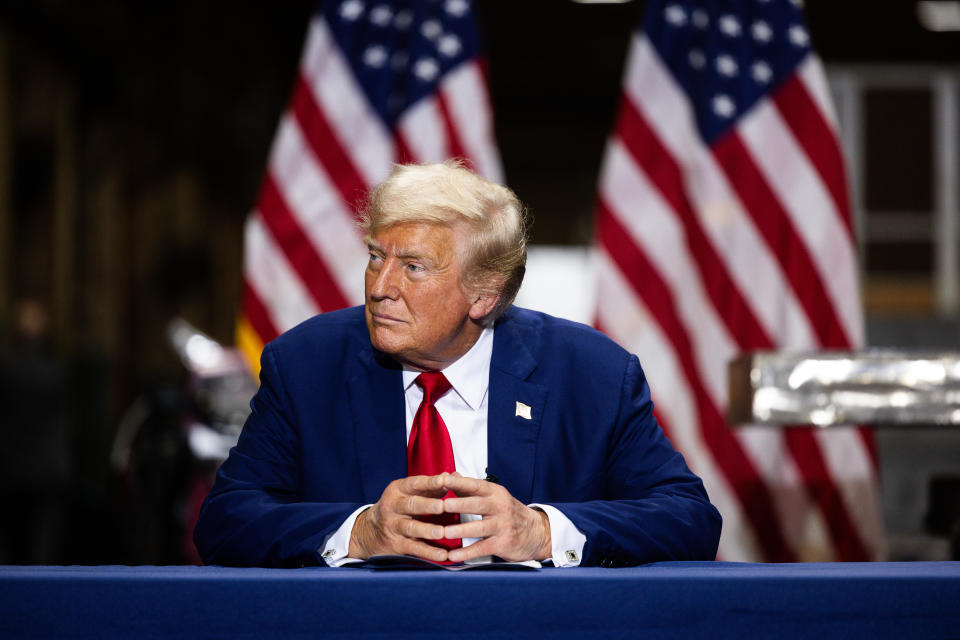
{"points": [[663, 600]]}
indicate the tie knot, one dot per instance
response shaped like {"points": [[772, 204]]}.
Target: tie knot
{"points": [[434, 385]]}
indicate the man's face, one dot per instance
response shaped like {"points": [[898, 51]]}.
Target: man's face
{"points": [[416, 310]]}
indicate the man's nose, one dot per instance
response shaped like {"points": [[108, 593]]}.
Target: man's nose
{"points": [[385, 283]]}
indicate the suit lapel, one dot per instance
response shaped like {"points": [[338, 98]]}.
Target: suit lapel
{"points": [[375, 387], [511, 435]]}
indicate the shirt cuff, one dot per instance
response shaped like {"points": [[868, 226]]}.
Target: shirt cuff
{"points": [[566, 540], [334, 552]]}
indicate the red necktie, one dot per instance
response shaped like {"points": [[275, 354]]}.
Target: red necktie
{"points": [[429, 451]]}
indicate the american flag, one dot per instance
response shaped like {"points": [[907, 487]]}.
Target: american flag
{"points": [[724, 225], [379, 82]]}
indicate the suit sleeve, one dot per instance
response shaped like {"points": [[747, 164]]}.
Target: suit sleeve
{"points": [[655, 508], [253, 515]]}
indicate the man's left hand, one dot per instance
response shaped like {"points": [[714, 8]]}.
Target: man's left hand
{"points": [[509, 528]]}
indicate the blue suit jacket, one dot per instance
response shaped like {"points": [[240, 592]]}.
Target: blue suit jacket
{"points": [[327, 434]]}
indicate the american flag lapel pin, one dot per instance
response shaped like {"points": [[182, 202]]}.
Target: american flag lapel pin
{"points": [[523, 410]]}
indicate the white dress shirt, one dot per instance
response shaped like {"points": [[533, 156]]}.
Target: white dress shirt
{"points": [[464, 412]]}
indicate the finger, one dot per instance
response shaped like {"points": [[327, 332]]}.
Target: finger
{"points": [[432, 486], [410, 528], [476, 529], [415, 505], [483, 548], [473, 504], [468, 486], [423, 550]]}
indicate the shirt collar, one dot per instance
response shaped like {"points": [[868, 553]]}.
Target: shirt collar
{"points": [[469, 375]]}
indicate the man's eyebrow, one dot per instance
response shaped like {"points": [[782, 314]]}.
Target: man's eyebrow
{"points": [[402, 253], [410, 254]]}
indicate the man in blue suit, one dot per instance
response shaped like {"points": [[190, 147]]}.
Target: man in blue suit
{"points": [[546, 449]]}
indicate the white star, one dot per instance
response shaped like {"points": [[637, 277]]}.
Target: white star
{"points": [[457, 8], [375, 56], [403, 20], [761, 72], [381, 15], [701, 19], [431, 29], [697, 59], [449, 45], [723, 106], [762, 31], [351, 9], [727, 66], [730, 26], [675, 15], [798, 36], [426, 69], [400, 60], [797, 3]]}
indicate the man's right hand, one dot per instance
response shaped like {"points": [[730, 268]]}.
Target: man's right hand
{"points": [[390, 526]]}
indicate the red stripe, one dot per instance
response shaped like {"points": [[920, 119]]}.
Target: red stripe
{"points": [[660, 167], [325, 143], [256, 314], [404, 154], [848, 545], [785, 243], [650, 154], [301, 254], [733, 462], [455, 148], [818, 140]]}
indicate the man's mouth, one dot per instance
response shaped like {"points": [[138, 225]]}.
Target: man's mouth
{"points": [[384, 318]]}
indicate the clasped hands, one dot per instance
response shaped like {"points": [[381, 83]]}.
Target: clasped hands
{"points": [[508, 528]]}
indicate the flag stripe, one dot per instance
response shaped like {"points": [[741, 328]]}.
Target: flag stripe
{"points": [[820, 486], [735, 465], [404, 152], [812, 131], [723, 204], [625, 315], [364, 136], [757, 275], [775, 227], [797, 186], [658, 233], [660, 166], [465, 94], [256, 314], [848, 455], [309, 266], [325, 143], [319, 211], [267, 271], [423, 132], [455, 148]]}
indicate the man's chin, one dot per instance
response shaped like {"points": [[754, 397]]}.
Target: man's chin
{"points": [[385, 339]]}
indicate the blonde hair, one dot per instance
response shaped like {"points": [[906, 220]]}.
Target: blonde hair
{"points": [[495, 255]]}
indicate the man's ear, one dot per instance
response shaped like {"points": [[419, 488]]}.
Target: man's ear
{"points": [[483, 305]]}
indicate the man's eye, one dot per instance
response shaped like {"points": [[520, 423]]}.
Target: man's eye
{"points": [[374, 257], [414, 268]]}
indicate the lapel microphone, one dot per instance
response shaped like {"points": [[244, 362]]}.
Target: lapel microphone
{"points": [[490, 477]]}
